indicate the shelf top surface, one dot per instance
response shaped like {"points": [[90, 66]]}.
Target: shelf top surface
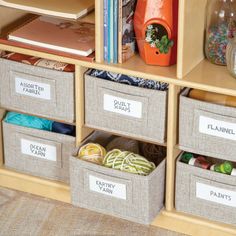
{"points": [[211, 77], [72, 9]]}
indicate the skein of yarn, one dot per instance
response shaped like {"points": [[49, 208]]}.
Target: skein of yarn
{"points": [[125, 144], [92, 152], [129, 162]]}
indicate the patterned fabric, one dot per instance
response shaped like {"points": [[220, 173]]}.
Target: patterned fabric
{"points": [[55, 65], [130, 80]]}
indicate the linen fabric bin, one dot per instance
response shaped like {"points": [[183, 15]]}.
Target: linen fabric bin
{"points": [[36, 90], [37, 152], [121, 194], [205, 193], [206, 128], [124, 109]]}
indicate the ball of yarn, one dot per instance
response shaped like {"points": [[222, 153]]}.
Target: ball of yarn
{"points": [[123, 144], [92, 152], [153, 152], [128, 162]]}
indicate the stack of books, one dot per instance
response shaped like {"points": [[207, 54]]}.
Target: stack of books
{"points": [[58, 36], [119, 38]]}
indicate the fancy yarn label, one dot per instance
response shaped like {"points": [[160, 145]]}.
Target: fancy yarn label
{"points": [[32, 88], [122, 106], [217, 195], [217, 128], [107, 187], [39, 150]]}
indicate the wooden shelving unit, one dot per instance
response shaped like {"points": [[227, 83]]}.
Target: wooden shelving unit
{"points": [[192, 70]]}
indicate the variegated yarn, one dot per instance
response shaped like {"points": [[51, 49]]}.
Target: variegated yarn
{"points": [[129, 162], [92, 152]]}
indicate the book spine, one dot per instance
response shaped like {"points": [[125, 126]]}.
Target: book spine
{"points": [[111, 29], [120, 25], [115, 48], [108, 31], [128, 44], [105, 20]]}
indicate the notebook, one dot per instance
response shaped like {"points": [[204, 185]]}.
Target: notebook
{"points": [[73, 9], [74, 37]]}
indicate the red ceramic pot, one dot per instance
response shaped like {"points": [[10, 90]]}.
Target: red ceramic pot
{"points": [[158, 18]]}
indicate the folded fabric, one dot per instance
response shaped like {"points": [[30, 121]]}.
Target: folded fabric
{"points": [[36, 61], [28, 121], [39, 123], [130, 80]]}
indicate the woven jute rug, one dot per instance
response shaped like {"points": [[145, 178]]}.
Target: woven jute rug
{"points": [[23, 214]]}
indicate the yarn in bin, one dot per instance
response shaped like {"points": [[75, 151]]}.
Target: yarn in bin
{"points": [[92, 152], [123, 144], [128, 162]]}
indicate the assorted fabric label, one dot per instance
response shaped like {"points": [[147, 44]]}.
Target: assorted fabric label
{"points": [[32, 88]]}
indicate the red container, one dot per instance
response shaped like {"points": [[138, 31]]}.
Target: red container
{"points": [[163, 16]]}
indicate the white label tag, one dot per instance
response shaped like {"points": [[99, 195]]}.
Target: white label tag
{"points": [[217, 128], [217, 195], [107, 187], [32, 88], [39, 150], [122, 106]]}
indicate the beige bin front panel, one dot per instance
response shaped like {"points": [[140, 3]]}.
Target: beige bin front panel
{"points": [[207, 128], [125, 109], [37, 152], [128, 196], [35, 90], [205, 193]]}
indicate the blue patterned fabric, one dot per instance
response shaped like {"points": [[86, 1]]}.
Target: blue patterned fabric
{"points": [[130, 80]]}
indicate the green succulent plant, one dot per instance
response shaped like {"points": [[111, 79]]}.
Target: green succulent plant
{"points": [[153, 38]]}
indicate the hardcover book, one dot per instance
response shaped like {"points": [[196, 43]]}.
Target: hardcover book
{"points": [[105, 30], [126, 45], [76, 38], [72, 9]]}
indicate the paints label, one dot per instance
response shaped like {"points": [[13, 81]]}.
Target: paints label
{"points": [[107, 187], [32, 88], [38, 150], [217, 128], [122, 106], [217, 195]]}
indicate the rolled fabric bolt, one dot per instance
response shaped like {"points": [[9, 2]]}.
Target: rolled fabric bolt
{"points": [[92, 152]]}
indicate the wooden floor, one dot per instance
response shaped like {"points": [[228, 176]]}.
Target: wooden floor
{"points": [[25, 214]]}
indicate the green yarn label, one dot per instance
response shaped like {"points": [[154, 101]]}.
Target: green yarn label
{"points": [[32, 88], [215, 194], [122, 106], [106, 187]]}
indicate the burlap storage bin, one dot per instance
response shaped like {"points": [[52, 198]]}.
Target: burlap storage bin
{"points": [[37, 152], [128, 196], [124, 109], [39, 91], [198, 124], [205, 193]]}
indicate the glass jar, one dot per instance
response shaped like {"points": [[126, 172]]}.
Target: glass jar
{"points": [[231, 56], [220, 24]]}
